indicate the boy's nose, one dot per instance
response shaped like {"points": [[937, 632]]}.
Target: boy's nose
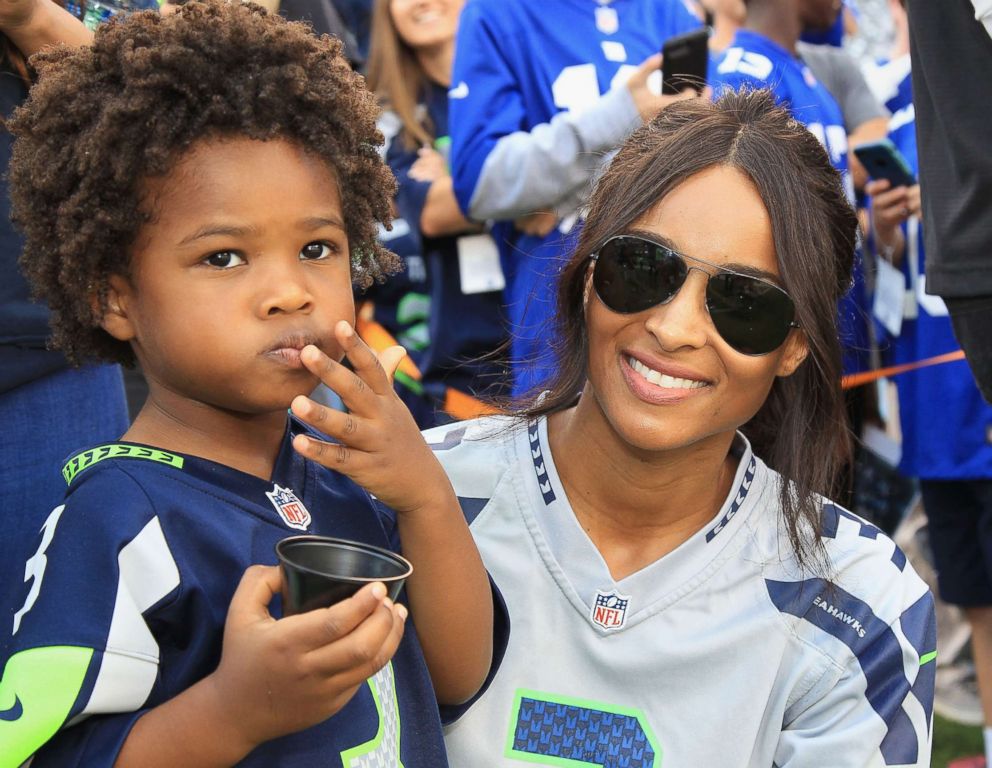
{"points": [[286, 292]]}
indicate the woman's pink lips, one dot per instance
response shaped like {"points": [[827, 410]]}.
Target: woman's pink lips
{"points": [[652, 393]]}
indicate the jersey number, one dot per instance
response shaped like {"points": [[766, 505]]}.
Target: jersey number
{"points": [[553, 730], [577, 87], [34, 568]]}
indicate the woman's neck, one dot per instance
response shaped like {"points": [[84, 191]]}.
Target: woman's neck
{"points": [[436, 61], [636, 506], [247, 442]]}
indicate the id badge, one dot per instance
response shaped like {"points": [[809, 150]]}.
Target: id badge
{"points": [[479, 269], [890, 296]]}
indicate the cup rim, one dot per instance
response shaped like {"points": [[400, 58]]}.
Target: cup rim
{"points": [[313, 538]]}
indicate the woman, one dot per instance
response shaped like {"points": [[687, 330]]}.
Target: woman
{"points": [[445, 308], [675, 599]]}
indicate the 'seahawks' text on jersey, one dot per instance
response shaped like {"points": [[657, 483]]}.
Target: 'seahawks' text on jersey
{"points": [[124, 603], [722, 653]]}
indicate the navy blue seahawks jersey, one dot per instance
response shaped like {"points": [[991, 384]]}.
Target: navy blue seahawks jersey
{"points": [[463, 329], [518, 64], [952, 441], [125, 598]]}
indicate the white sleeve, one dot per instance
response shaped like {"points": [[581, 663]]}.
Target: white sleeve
{"points": [[527, 171], [874, 710], [983, 12]]}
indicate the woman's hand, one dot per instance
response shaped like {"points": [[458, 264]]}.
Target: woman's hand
{"points": [[17, 13], [538, 224], [279, 677], [378, 443], [33, 24], [649, 101], [430, 165]]}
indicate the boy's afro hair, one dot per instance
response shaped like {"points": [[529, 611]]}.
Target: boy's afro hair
{"points": [[103, 118]]}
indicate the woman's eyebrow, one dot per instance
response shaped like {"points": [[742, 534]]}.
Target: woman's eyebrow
{"points": [[747, 269], [733, 266]]}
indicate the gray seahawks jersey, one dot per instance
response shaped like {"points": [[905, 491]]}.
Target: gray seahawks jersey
{"points": [[722, 654]]}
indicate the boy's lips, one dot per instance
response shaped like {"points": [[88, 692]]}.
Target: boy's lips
{"points": [[287, 349]]}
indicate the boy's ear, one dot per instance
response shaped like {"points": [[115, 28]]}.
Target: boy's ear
{"points": [[796, 350], [114, 318]]}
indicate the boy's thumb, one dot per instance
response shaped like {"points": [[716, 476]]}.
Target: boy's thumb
{"points": [[390, 359]]}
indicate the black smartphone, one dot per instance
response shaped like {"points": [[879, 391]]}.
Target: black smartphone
{"points": [[687, 58], [883, 160]]}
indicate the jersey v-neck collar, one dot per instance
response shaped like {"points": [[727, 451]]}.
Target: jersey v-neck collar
{"points": [[582, 573]]}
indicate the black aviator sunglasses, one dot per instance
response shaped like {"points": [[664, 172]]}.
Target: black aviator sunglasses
{"points": [[632, 274]]}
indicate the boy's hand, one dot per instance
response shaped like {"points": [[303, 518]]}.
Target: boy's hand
{"points": [[279, 677], [380, 446]]}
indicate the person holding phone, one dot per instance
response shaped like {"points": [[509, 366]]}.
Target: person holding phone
{"points": [[680, 592], [540, 92]]}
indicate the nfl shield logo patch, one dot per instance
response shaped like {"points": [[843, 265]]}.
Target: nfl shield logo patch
{"points": [[290, 508], [610, 609]]}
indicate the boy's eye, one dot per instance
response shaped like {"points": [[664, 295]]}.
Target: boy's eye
{"points": [[313, 251], [224, 260]]}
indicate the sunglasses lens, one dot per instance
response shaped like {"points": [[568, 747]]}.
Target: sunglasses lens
{"points": [[752, 316], [632, 274]]}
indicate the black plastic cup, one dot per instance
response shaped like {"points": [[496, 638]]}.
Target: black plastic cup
{"points": [[318, 571]]}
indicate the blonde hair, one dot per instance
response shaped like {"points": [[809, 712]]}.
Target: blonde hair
{"points": [[396, 77]]}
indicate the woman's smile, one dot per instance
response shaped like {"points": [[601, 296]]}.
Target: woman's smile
{"points": [[660, 383]]}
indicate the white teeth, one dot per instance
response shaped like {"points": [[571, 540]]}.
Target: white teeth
{"points": [[663, 379]]}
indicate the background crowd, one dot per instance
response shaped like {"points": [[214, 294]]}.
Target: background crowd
{"points": [[494, 142]]}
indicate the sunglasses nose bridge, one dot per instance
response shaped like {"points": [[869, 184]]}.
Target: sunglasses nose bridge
{"points": [[681, 320]]}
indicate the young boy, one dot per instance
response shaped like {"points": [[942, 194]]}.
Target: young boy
{"points": [[198, 193]]}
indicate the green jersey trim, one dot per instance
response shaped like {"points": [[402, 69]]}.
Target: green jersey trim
{"points": [[38, 690], [379, 751], [87, 459]]}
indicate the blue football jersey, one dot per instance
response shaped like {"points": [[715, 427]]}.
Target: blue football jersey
{"points": [[753, 60], [125, 598], [463, 329], [518, 64], [946, 424]]}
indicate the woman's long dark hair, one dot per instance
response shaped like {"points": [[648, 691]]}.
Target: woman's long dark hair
{"points": [[801, 429]]}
